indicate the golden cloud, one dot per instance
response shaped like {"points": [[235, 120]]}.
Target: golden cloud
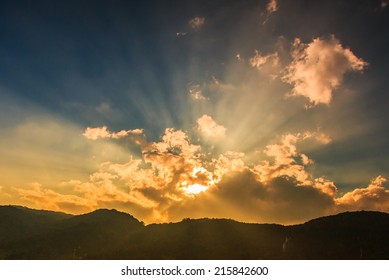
{"points": [[373, 197], [103, 132]]}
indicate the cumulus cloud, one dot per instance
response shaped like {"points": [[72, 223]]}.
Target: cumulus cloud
{"points": [[283, 153], [286, 153], [210, 130], [196, 23], [318, 68], [373, 197], [175, 142], [103, 132], [287, 160]]}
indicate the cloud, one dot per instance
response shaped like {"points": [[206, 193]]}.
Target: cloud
{"points": [[258, 60], [373, 197], [241, 196], [196, 93], [283, 153], [196, 23], [286, 160], [272, 6], [267, 64], [326, 186], [175, 142], [5, 196], [286, 152], [103, 132], [173, 178], [318, 68], [52, 200], [210, 130], [305, 159]]}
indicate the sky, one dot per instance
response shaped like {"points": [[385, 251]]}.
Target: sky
{"points": [[260, 111]]}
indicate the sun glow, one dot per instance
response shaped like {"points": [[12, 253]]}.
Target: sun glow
{"points": [[195, 189]]}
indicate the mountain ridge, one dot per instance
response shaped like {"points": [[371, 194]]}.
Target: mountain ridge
{"points": [[111, 234]]}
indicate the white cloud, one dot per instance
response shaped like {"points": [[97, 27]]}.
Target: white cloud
{"points": [[318, 68], [210, 130], [196, 23]]}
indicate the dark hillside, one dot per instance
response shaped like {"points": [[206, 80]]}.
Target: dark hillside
{"points": [[109, 234]]}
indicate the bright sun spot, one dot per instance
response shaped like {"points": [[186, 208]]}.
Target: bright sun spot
{"points": [[195, 189]]}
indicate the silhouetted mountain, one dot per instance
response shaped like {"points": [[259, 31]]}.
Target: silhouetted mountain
{"points": [[109, 234], [17, 221], [205, 239], [350, 235], [72, 237]]}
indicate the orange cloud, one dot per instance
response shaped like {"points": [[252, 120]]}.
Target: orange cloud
{"points": [[52, 200], [318, 68], [373, 197]]}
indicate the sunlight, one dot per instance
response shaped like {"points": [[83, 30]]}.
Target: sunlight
{"points": [[195, 189]]}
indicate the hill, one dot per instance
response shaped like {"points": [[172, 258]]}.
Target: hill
{"points": [[110, 234]]}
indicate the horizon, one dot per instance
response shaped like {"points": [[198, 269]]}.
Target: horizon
{"points": [[259, 111], [195, 219]]}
